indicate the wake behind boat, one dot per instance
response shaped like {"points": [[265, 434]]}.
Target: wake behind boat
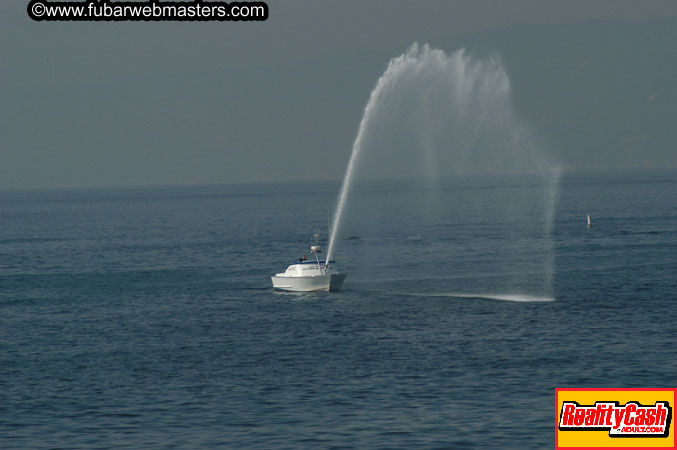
{"points": [[308, 276]]}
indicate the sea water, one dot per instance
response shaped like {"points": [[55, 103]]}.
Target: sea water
{"points": [[145, 318]]}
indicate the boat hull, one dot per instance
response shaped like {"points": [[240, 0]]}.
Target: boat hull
{"points": [[310, 283]]}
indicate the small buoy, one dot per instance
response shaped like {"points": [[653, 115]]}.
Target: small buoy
{"points": [[589, 223]]}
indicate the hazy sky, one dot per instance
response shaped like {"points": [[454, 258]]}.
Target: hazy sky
{"points": [[111, 104]]}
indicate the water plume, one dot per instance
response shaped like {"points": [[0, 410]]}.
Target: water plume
{"points": [[435, 114]]}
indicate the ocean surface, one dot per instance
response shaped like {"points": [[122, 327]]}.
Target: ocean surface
{"points": [[145, 318]]}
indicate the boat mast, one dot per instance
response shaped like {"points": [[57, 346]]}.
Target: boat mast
{"points": [[316, 249]]}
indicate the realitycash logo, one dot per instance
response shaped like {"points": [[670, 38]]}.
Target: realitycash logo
{"points": [[597, 418], [632, 419]]}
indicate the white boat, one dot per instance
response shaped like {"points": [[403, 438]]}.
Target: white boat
{"points": [[308, 276]]}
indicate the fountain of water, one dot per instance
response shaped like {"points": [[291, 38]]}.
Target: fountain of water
{"points": [[455, 113]]}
